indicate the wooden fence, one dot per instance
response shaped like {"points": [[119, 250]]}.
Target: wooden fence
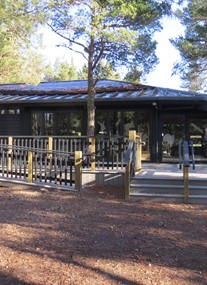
{"points": [[108, 152], [41, 166]]}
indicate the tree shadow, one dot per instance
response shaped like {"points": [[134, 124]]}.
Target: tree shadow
{"points": [[8, 279], [68, 226]]}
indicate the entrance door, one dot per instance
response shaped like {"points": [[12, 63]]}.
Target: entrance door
{"points": [[172, 132], [197, 134]]}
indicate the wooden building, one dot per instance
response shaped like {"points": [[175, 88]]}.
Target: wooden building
{"points": [[162, 116]]}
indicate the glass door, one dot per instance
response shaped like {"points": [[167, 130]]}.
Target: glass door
{"points": [[198, 135], [172, 132]]}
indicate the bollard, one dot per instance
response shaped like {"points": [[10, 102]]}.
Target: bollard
{"points": [[78, 170], [30, 167]]}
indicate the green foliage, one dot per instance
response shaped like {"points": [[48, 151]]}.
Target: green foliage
{"points": [[19, 62], [192, 46], [103, 71], [62, 70], [116, 30], [133, 75]]}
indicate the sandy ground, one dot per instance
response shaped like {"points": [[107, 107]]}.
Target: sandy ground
{"points": [[95, 237]]}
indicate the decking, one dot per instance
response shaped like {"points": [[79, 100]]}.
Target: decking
{"points": [[164, 182]]}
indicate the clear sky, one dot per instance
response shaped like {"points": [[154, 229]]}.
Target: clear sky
{"points": [[161, 76], [168, 55]]}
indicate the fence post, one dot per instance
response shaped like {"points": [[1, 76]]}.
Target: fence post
{"points": [[186, 183], [78, 170], [50, 146], [139, 153], [10, 142], [127, 182], [132, 136], [30, 167]]}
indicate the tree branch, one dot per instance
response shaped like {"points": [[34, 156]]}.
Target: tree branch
{"points": [[68, 39]]}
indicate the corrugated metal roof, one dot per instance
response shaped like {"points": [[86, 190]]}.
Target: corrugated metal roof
{"points": [[76, 91]]}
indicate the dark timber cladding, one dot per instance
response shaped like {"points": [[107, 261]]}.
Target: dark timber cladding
{"points": [[162, 116]]}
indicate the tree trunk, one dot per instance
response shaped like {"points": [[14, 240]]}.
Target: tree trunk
{"points": [[91, 94], [91, 106]]}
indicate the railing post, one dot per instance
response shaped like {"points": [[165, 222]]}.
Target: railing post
{"points": [[10, 142], [139, 153], [186, 183], [50, 146], [78, 170], [30, 167], [127, 181], [132, 136]]}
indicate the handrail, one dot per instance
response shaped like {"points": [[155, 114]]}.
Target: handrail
{"points": [[37, 165], [192, 154], [108, 152], [33, 149], [186, 157], [129, 153], [186, 154], [128, 168]]}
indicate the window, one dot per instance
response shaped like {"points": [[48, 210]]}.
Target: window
{"points": [[75, 123], [56, 123], [101, 123], [8, 111], [49, 123], [37, 128], [129, 122], [115, 123]]}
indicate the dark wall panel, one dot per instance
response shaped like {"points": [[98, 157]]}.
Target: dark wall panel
{"points": [[9, 125]]}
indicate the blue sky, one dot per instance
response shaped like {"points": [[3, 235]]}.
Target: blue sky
{"points": [[168, 55]]}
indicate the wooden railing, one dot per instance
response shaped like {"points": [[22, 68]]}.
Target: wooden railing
{"points": [[36, 165], [108, 152], [186, 158]]}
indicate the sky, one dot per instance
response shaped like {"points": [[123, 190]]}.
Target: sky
{"points": [[167, 54]]}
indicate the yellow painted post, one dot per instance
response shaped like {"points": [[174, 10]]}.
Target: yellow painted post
{"points": [[9, 162], [30, 167], [78, 170], [132, 136], [186, 184], [139, 153], [50, 146], [93, 152], [127, 181]]}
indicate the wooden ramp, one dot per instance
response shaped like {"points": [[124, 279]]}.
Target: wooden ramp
{"points": [[164, 183]]}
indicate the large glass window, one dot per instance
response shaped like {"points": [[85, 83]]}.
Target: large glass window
{"points": [[115, 123], [49, 123], [37, 128], [101, 123], [129, 122], [55, 123], [172, 133], [75, 123], [198, 135], [62, 124]]}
